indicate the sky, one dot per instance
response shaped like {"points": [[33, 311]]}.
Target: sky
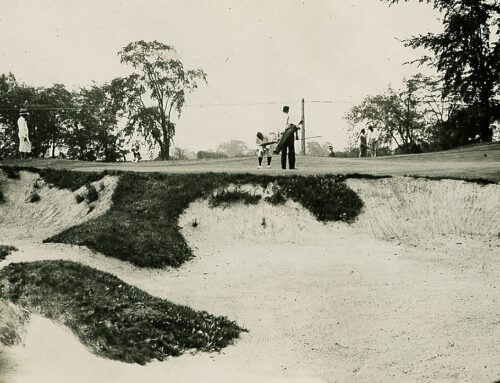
{"points": [[258, 55]]}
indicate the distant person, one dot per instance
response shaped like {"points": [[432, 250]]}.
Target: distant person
{"points": [[24, 139], [136, 152], [373, 137], [287, 141], [265, 147], [363, 147], [332, 152]]}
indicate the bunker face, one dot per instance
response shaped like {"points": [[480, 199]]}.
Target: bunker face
{"points": [[400, 295]]}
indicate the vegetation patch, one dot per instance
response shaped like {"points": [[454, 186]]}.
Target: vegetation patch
{"points": [[12, 323], [2, 196], [59, 178], [141, 227], [228, 197], [113, 319], [11, 172], [34, 196], [5, 251]]}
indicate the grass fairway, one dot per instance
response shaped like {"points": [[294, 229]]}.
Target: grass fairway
{"points": [[113, 319], [471, 162]]}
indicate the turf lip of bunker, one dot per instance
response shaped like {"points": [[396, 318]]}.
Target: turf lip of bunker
{"points": [[113, 319], [141, 226]]}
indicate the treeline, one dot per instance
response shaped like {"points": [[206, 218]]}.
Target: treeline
{"points": [[83, 124], [460, 105]]}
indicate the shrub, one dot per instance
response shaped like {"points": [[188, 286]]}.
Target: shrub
{"points": [[79, 198]]}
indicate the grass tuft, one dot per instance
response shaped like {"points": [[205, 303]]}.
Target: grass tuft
{"points": [[115, 320], [91, 193], [229, 197], [34, 196]]}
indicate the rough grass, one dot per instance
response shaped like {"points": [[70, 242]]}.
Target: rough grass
{"points": [[12, 323], [5, 251], [113, 319], [61, 179], [228, 197], [142, 225]]}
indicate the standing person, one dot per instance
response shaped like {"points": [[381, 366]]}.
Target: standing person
{"points": [[23, 134], [287, 142], [265, 147], [362, 143], [373, 137]]}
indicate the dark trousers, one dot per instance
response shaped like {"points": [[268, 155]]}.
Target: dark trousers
{"points": [[289, 149]]}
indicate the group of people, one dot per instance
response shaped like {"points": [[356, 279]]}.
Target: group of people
{"points": [[283, 142], [368, 142]]}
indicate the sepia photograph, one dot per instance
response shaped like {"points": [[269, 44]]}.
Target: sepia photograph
{"points": [[249, 191]]}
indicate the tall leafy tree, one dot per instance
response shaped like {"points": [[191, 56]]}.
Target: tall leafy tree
{"points": [[157, 91], [466, 54], [397, 114]]}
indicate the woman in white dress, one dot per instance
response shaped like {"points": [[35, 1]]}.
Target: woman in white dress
{"points": [[24, 139]]}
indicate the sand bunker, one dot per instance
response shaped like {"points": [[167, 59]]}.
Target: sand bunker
{"points": [[323, 302], [57, 209]]}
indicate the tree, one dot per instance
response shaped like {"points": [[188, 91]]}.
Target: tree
{"points": [[314, 149], [157, 92], [51, 113], [395, 113], [466, 54], [94, 133]]}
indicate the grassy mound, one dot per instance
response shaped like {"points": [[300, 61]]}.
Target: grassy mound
{"points": [[142, 225], [113, 319]]}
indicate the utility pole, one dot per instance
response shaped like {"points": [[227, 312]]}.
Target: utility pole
{"points": [[303, 135]]}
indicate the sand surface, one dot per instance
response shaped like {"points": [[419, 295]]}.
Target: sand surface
{"points": [[331, 303]]}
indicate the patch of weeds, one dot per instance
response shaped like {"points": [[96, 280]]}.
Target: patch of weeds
{"points": [[91, 193], [79, 198], [228, 197], [36, 185], [2, 196], [263, 223], [5, 251], [34, 196], [113, 319], [194, 223], [102, 186]]}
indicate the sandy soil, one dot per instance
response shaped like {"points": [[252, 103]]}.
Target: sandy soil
{"points": [[332, 303]]}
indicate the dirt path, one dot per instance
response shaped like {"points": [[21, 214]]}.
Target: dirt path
{"points": [[327, 303]]}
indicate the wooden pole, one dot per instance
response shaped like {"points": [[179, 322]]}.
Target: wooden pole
{"points": [[303, 135]]}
